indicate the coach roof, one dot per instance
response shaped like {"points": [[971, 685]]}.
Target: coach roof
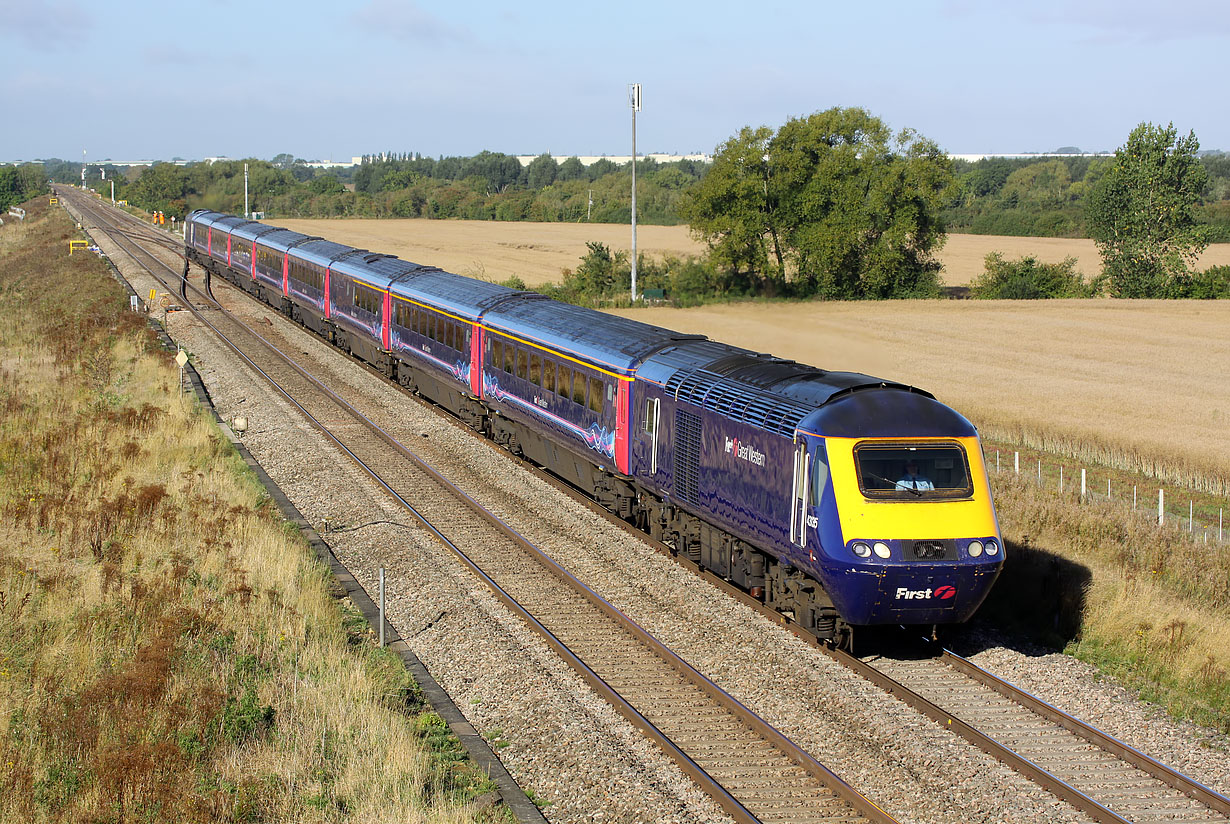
{"points": [[461, 296], [321, 252], [606, 340], [281, 239]]}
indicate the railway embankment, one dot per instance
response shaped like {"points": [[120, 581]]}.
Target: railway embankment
{"points": [[169, 649]]}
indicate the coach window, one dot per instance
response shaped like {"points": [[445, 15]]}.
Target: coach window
{"points": [[510, 357], [564, 386], [497, 354], [536, 369], [578, 388], [596, 391], [548, 375], [523, 366]]}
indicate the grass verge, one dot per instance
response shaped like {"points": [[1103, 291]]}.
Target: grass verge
{"points": [[169, 649], [1149, 606]]}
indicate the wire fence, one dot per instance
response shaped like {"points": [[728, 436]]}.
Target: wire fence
{"points": [[1204, 521]]}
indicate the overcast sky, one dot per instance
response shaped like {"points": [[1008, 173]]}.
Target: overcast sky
{"points": [[129, 80]]}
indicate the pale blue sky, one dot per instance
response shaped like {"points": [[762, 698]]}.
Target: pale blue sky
{"points": [[127, 79]]}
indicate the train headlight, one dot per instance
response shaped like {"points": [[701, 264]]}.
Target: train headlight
{"points": [[975, 549], [992, 548], [881, 549], [861, 549]]}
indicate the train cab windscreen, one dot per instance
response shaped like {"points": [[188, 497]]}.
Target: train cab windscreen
{"points": [[912, 471]]}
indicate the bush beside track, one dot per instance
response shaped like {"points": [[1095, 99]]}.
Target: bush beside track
{"points": [[168, 648]]}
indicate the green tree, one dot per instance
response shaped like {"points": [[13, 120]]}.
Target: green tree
{"points": [[731, 209], [1039, 185], [9, 189], [834, 205], [1141, 213], [571, 169], [161, 187], [327, 184], [541, 172]]}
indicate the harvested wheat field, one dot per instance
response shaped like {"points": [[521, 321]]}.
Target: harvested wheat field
{"points": [[1127, 382], [538, 252]]}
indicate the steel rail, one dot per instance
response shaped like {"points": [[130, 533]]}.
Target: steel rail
{"points": [[1209, 797]]}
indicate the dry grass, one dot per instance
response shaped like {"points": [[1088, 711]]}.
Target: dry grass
{"points": [[167, 650], [1147, 604]]}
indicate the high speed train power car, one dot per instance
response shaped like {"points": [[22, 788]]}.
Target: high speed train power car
{"points": [[837, 498]]}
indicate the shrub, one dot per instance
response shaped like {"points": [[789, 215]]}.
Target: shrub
{"points": [[1211, 284], [1029, 279]]}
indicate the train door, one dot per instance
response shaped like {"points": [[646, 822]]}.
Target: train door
{"points": [[653, 414], [800, 494]]}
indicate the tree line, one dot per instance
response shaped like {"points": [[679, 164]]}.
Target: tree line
{"points": [[835, 204], [1049, 197], [20, 183]]}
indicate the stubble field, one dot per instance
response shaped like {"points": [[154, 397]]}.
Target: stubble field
{"points": [[1146, 381], [537, 252]]}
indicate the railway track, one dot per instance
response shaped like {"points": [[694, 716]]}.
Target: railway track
{"points": [[1106, 779], [754, 772], [1099, 775]]}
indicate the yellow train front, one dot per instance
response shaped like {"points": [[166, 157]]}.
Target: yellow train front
{"points": [[896, 514]]}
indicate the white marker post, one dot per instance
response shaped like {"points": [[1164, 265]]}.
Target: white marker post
{"points": [[182, 360]]}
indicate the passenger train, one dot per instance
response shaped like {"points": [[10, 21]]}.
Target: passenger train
{"points": [[785, 479]]}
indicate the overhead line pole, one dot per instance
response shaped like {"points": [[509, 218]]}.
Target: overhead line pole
{"points": [[634, 100]]}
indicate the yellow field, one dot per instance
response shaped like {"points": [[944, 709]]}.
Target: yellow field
{"points": [[1146, 381], [537, 252]]}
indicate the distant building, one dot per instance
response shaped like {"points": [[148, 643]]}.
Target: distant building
{"points": [[974, 158], [619, 160]]}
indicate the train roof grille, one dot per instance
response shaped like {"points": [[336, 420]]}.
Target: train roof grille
{"points": [[738, 401]]}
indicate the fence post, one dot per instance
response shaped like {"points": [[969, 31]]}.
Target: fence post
{"points": [[1133, 497], [1061, 479], [1016, 462], [996, 461], [382, 607], [1161, 512], [1191, 515], [1039, 472], [1083, 488]]}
